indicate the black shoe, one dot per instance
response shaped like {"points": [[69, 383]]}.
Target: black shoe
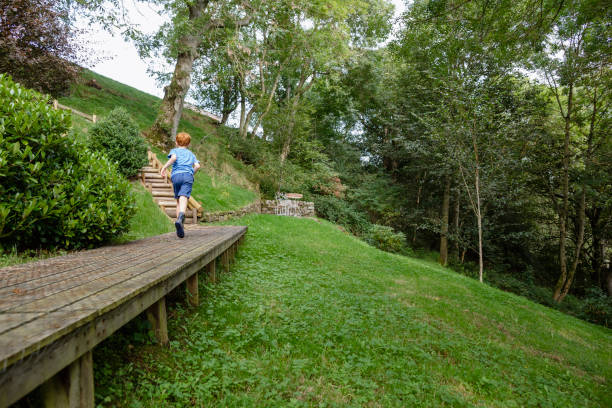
{"points": [[180, 231]]}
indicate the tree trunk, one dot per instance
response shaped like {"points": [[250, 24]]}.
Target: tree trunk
{"points": [[478, 206], [300, 90], [563, 213], [166, 124], [578, 249], [457, 209], [444, 228], [242, 113], [479, 217], [225, 117], [597, 233], [229, 102]]}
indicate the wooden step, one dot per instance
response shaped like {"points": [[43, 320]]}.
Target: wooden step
{"points": [[188, 216], [163, 193], [149, 169], [165, 202], [160, 185]]}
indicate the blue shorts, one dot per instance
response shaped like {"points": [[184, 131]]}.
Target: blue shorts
{"points": [[182, 183]]}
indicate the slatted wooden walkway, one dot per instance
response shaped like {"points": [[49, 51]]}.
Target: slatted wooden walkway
{"points": [[53, 312]]}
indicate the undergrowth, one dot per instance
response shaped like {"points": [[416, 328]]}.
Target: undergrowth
{"points": [[311, 316]]}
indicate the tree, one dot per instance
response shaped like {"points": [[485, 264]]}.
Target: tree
{"points": [[575, 58], [37, 45]]}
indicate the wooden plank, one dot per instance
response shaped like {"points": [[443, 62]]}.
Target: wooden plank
{"points": [[156, 314], [225, 261], [109, 298], [178, 247], [31, 290], [74, 262], [78, 288], [211, 273], [192, 290], [72, 387], [82, 329], [9, 321]]}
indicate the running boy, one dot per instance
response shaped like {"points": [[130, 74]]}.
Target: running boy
{"points": [[184, 165]]}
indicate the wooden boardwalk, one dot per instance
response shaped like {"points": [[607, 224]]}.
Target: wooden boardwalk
{"points": [[53, 312]]}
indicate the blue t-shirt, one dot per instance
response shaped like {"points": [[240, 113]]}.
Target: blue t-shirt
{"points": [[184, 160]]}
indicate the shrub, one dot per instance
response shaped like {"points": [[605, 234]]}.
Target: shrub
{"points": [[597, 307], [383, 237], [53, 192], [341, 212], [118, 137]]}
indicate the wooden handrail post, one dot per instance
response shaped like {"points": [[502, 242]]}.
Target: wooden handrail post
{"points": [[156, 314]]}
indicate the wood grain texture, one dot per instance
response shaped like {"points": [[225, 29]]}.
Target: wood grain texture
{"points": [[83, 298]]}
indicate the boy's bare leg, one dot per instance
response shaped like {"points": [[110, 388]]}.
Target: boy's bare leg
{"points": [[178, 204], [182, 205]]}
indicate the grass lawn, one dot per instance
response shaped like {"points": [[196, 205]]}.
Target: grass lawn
{"points": [[310, 316], [149, 219]]}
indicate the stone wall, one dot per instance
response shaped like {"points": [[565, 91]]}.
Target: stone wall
{"points": [[226, 215], [294, 208]]}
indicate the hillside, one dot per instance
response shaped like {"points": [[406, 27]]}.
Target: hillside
{"points": [[222, 185], [311, 316]]}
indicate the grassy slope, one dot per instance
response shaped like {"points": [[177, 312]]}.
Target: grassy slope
{"points": [[220, 186], [149, 219], [310, 316]]}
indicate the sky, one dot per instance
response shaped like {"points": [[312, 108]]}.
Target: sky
{"points": [[120, 60]]}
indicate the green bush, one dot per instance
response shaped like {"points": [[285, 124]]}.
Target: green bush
{"points": [[118, 137], [341, 212], [53, 192], [383, 237], [597, 307]]}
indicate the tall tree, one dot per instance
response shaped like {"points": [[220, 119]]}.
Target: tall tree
{"points": [[575, 53]]}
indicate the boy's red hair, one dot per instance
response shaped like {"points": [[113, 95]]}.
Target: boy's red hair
{"points": [[183, 139]]}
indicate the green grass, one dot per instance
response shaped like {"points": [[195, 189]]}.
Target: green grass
{"points": [[214, 190], [310, 316], [149, 219], [222, 185]]}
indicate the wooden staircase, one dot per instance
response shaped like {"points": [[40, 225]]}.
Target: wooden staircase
{"points": [[163, 193]]}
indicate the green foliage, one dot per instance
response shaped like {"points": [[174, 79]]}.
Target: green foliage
{"points": [[118, 137], [383, 237], [341, 212], [597, 307], [310, 316], [222, 183], [53, 192]]}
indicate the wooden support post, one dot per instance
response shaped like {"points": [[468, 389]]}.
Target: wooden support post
{"points": [[72, 387], [211, 272], [94, 118], [156, 314], [192, 290], [225, 260]]}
